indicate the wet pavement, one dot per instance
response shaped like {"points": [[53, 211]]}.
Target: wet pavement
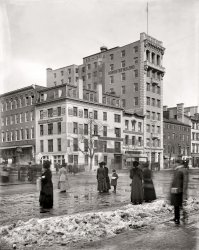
{"points": [[20, 202]]}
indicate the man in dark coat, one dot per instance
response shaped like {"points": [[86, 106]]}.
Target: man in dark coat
{"points": [[179, 190], [108, 186]]}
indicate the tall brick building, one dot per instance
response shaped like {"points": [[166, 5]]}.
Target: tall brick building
{"points": [[135, 73]]}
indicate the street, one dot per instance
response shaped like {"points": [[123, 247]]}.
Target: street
{"points": [[20, 202]]}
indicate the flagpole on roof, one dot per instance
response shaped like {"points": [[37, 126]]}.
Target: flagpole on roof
{"points": [[147, 11]]}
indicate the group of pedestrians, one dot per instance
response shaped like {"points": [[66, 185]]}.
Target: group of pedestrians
{"points": [[142, 188]]}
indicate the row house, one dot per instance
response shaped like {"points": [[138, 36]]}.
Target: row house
{"points": [[17, 115], [80, 126]]}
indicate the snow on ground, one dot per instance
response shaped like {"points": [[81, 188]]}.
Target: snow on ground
{"points": [[91, 226]]}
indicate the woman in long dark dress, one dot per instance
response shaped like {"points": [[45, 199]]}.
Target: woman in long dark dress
{"points": [[136, 185], [46, 193], [101, 178], [149, 191]]}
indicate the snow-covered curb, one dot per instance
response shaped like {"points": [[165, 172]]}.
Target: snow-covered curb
{"points": [[91, 226]]}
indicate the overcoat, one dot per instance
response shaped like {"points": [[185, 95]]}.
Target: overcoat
{"points": [[180, 181], [108, 186], [46, 193], [114, 179], [149, 191], [101, 179]]}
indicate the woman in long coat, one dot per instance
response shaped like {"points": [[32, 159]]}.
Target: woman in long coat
{"points": [[101, 178], [108, 185], [46, 193], [179, 190], [149, 191], [63, 179], [136, 185]]}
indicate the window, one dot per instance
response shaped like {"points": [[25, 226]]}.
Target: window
{"points": [[58, 111], [153, 101], [41, 146], [148, 114], [95, 130], [50, 145], [32, 133], [123, 76], [69, 71], [158, 103], [135, 101], [153, 88], [117, 132], [50, 112], [50, 128], [153, 115], [7, 136], [123, 103], [158, 129], [117, 118], [136, 49], [126, 140], [136, 87], [111, 67], [148, 100], [126, 124], [148, 128], [136, 60], [95, 144], [133, 140], [75, 144], [96, 160], [148, 73], [27, 134], [85, 129], [69, 80], [95, 115], [55, 75], [12, 137], [75, 128], [139, 127], [158, 90], [95, 65], [88, 66], [86, 159], [136, 73], [104, 130], [123, 90], [111, 56], [133, 125], [158, 116], [62, 72], [74, 111], [59, 144], [21, 134], [123, 64], [111, 79], [41, 114], [104, 146], [85, 145], [26, 117], [104, 116], [31, 116], [89, 76], [117, 147], [139, 141], [59, 127], [123, 53], [41, 129], [85, 113]]}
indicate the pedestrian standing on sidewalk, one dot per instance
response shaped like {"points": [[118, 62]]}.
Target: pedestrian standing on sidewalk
{"points": [[114, 180], [136, 185], [149, 191], [179, 190], [101, 178], [63, 179], [46, 193]]}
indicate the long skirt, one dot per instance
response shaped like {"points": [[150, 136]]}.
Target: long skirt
{"points": [[136, 191], [101, 185], [63, 185], [108, 186], [149, 191], [46, 197]]}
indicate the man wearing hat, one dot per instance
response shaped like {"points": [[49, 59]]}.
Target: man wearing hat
{"points": [[107, 186]]}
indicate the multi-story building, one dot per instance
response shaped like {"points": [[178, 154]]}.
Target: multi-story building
{"points": [[177, 140], [77, 125], [188, 115], [135, 73], [17, 138]]}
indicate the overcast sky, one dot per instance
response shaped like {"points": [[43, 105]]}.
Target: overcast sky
{"points": [[38, 34]]}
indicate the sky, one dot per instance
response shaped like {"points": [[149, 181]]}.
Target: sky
{"points": [[37, 34]]}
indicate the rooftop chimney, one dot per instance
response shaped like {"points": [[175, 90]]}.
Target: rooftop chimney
{"points": [[180, 112], [103, 48]]}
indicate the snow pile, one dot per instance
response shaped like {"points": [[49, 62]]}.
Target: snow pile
{"points": [[191, 205], [84, 226]]}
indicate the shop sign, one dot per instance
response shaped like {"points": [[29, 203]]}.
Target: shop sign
{"points": [[51, 120], [121, 70]]}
